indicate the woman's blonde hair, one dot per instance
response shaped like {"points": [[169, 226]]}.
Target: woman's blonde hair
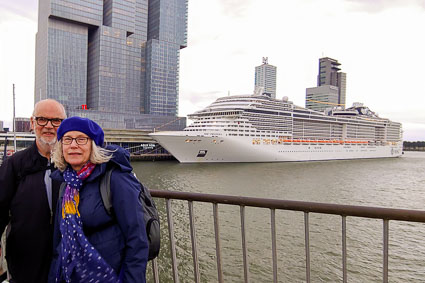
{"points": [[98, 155]]}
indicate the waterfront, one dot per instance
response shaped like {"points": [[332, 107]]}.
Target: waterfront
{"points": [[395, 183]]}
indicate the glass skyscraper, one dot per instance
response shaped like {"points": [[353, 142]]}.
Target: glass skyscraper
{"points": [[114, 61], [331, 87], [330, 74], [265, 78]]}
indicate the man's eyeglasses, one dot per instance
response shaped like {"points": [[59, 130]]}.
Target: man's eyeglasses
{"points": [[79, 140], [41, 121]]}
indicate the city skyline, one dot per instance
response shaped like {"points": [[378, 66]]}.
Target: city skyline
{"points": [[292, 35], [116, 61]]}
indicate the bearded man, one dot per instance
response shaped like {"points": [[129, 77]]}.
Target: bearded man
{"points": [[28, 198]]}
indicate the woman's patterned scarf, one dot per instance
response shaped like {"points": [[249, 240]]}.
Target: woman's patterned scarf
{"points": [[78, 260]]}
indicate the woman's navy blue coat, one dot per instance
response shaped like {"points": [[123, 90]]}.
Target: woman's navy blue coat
{"points": [[121, 237]]}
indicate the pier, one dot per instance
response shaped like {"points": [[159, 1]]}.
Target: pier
{"points": [[140, 145]]}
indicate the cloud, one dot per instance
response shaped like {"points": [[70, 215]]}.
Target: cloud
{"points": [[235, 8], [377, 6], [16, 64], [191, 101], [203, 98], [24, 8], [413, 132]]}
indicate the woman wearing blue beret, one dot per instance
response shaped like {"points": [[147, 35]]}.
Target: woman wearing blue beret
{"points": [[89, 244]]}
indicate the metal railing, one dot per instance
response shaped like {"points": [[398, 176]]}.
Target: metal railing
{"points": [[386, 214]]}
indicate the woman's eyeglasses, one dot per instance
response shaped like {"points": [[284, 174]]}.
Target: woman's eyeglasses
{"points": [[79, 140], [41, 121]]}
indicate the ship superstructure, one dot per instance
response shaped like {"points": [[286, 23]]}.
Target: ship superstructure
{"points": [[257, 128]]}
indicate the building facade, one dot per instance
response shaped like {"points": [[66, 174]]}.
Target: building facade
{"points": [[22, 125], [321, 98], [331, 87], [330, 74], [265, 78], [114, 61]]}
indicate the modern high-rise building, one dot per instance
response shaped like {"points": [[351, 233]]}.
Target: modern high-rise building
{"points": [[324, 96], [265, 78], [321, 97], [114, 61], [330, 74]]}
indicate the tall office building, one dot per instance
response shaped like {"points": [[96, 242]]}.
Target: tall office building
{"points": [[330, 74], [114, 61], [324, 96], [265, 78], [321, 97]]}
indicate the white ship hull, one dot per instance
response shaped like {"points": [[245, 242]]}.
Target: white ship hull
{"points": [[200, 149]]}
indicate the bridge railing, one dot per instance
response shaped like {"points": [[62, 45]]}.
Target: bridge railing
{"points": [[385, 214]]}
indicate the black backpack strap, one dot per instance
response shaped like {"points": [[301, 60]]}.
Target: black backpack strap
{"points": [[62, 189], [105, 189]]}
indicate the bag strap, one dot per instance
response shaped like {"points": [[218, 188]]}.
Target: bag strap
{"points": [[105, 190], [62, 189]]}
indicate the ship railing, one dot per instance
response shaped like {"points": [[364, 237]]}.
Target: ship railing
{"points": [[385, 214]]}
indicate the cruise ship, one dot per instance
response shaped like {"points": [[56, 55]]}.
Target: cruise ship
{"points": [[258, 128]]}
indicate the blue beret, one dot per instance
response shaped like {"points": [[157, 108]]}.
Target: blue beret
{"points": [[84, 125]]}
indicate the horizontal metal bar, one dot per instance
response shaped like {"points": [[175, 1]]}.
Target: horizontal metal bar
{"points": [[315, 207]]}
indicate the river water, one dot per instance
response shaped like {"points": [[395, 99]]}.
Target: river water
{"points": [[392, 183]]}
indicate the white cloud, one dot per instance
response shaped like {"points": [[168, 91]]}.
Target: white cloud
{"points": [[17, 56], [377, 6], [21, 8], [415, 132]]}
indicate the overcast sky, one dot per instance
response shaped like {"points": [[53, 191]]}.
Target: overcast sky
{"points": [[379, 43]]}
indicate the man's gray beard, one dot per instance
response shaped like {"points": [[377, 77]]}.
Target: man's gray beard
{"points": [[48, 143]]}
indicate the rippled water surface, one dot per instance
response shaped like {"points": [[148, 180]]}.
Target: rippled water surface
{"points": [[393, 183]]}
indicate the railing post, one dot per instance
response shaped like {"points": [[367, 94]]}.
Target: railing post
{"points": [[274, 252], [307, 247], [172, 242], [194, 247], [244, 248], [386, 240], [155, 270], [217, 243], [344, 249]]}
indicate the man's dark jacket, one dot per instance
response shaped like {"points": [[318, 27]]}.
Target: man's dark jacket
{"points": [[23, 202]]}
